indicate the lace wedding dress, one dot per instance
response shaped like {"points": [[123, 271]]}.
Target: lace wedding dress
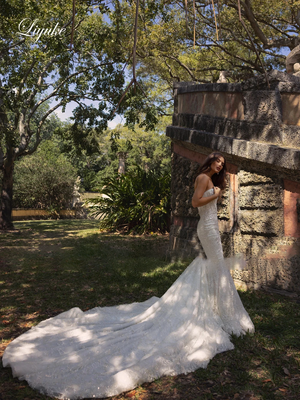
{"points": [[105, 351]]}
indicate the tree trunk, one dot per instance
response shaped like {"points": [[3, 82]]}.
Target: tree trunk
{"points": [[7, 196], [122, 162]]}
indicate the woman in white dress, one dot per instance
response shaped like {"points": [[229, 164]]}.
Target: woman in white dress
{"points": [[105, 351]]}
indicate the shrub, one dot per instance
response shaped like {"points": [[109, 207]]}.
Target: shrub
{"points": [[138, 201], [44, 180]]}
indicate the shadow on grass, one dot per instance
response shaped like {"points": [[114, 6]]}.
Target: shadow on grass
{"points": [[52, 266]]}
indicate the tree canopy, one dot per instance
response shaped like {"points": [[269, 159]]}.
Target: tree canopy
{"points": [[37, 68], [195, 40], [53, 54], [44, 180], [150, 150]]}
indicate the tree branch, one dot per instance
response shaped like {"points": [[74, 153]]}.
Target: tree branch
{"points": [[250, 17], [170, 72], [40, 80], [182, 65], [55, 91], [12, 46], [23, 80], [21, 151]]}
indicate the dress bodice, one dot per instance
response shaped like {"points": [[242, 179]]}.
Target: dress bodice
{"points": [[209, 209]]}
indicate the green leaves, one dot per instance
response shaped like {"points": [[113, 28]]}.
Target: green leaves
{"points": [[137, 202], [44, 180]]}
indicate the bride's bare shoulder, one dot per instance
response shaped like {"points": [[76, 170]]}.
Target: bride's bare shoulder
{"points": [[201, 179]]}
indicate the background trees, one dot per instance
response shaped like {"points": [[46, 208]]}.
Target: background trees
{"points": [[90, 64], [99, 158], [148, 150], [44, 180], [35, 70]]}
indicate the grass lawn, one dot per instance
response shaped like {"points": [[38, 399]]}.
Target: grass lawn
{"points": [[51, 266]]}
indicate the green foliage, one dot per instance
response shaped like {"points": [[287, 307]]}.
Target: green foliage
{"points": [[38, 70], [149, 150], [44, 180], [137, 202], [167, 51], [80, 145], [96, 157]]}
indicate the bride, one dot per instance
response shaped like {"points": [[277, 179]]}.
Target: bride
{"points": [[105, 351]]}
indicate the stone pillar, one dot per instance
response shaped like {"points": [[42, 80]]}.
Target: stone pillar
{"points": [[257, 128]]}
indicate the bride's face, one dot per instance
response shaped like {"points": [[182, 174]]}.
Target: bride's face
{"points": [[217, 165]]}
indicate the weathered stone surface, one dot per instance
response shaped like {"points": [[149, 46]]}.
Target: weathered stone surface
{"points": [[261, 222], [224, 206], [184, 242], [218, 104], [284, 82], [259, 131], [263, 153], [279, 273], [290, 135], [290, 108], [261, 197], [182, 186], [189, 87], [262, 105], [250, 178], [284, 157]]}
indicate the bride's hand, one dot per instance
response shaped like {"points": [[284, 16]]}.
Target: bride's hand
{"points": [[218, 191]]}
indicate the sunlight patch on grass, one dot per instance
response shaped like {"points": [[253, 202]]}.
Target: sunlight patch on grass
{"points": [[56, 265], [25, 285], [171, 269]]}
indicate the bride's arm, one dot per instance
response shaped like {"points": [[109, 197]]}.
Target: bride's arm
{"points": [[200, 188]]}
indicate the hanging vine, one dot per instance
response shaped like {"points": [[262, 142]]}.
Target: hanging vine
{"points": [[134, 81]]}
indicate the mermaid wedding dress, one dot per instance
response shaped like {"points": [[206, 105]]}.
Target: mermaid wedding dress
{"points": [[105, 351]]}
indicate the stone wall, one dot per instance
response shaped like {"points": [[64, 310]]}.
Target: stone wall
{"points": [[257, 128]]}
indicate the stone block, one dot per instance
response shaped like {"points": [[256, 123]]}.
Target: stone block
{"points": [[261, 197], [285, 157], [260, 131], [189, 87], [185, 120], [224, 206], [267, 223], [251, 178], [206, 123], [262, 105], [182, 186], [216, 104], [291, 135], [279, 273], [276, 156], [212, 141], [291, 108]]}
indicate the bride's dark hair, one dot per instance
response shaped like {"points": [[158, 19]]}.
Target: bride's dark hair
{"points": [[218, 180]]}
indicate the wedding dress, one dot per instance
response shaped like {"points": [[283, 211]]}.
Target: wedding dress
{"points": [[105, 351]]}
